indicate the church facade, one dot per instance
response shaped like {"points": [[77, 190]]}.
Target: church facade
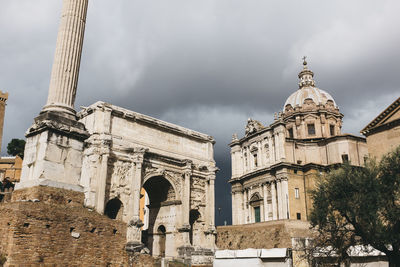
{"points": [[275, 166]]}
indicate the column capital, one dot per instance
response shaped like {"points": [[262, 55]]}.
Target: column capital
{"points": [[105, 147], [211, 178], [188, 168], [138, 155]]}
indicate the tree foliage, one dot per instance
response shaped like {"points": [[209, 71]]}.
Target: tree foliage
{"points": [[360, 206], [16, 147]]}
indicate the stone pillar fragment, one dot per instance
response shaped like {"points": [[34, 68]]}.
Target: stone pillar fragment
{"points": [[65, 72]]}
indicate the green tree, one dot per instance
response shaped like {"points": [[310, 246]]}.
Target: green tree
{"points": [[16, 147], [359, 206]]}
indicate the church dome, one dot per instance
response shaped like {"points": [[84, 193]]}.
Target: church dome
{"points": [[320, 97], [307, 90]]}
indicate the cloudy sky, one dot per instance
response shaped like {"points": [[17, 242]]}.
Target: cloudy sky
{"points": [[207, 65]]}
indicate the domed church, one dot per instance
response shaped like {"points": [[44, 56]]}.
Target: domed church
{"points": [[275, 166]]}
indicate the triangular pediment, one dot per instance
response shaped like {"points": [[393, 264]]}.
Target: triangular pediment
{"points": [[312, 116], [391, 113], [328, 117]]}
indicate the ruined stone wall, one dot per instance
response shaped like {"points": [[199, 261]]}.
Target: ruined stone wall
{"points": [[40, 233], [272, 234]]}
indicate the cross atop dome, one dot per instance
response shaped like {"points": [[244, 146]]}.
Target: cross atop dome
{"points": [[306, 76], [304, 62]]}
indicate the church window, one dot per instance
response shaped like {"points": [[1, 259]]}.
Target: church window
{"points": [[296, 193], [311, 129], [332, 129], [290, 133], [345, 158], [245, 159], [298, 215], [255, 160]]}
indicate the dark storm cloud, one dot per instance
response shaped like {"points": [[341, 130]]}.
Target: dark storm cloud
{"points": [[207, 65]]}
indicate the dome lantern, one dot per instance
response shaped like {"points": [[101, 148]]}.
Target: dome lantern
{"points": [[306, 76], [308, 91]]}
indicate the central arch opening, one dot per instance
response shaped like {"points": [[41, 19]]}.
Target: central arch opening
{"points": [[159, 213]]}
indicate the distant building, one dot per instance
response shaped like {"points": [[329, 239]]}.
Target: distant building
{"points": [[383, 132], [10, 168], [275, 166]]}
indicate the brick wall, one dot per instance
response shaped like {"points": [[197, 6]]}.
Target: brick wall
{"points": [[42, 234]]}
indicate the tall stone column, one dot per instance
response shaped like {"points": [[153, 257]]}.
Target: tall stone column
{"points": [[65, 72], [102, 178], [186, 202], [3, 101], [210, 207], [212, 202], [265, 199], [247, 204], [285, 198], [279, 196], [274, 201], [234, 208], [243, 218], [185, 224], [55, 142], [243, 163], [134, 232]]}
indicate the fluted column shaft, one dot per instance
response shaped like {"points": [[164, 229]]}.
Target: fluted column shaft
{"points": [[65, 72]]}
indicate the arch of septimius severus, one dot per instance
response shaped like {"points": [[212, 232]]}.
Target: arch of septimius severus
{"points": [[113, 155]]}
